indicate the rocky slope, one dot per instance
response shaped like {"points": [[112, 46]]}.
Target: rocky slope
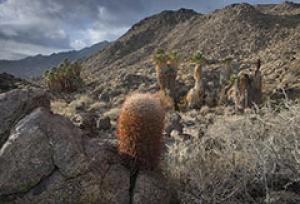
{"points": [[243, 31], [36, 65]]}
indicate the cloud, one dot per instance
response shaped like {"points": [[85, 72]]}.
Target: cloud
{"points": [[29, 27], [34, 22]]}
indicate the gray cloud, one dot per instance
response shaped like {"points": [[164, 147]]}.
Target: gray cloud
{"points": [[29, 27]]}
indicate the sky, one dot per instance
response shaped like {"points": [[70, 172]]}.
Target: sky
{"points": [[31, 27]]}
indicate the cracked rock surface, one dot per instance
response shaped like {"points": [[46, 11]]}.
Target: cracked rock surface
{"points": [[46, 159]]}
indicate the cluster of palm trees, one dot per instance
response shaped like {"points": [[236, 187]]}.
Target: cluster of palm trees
{"points": [[65, 77], [166, 64]]}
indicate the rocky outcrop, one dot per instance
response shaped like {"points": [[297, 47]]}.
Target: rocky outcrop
{"points": [[46, 159]]}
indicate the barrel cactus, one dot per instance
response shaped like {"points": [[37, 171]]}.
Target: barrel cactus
{"points": [[139, 131]]}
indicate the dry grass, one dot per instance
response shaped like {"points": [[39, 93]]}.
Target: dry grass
{"points": [[241, 159], [165, 100], [81, 103]]}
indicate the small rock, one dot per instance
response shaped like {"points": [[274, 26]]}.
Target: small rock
{"points": [[112, 113], [204, 110], [180, 136], [173, 122], [103, 123], [87, 122], [104, 97], [229, 110]]}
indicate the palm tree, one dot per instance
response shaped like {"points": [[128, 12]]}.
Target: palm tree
{"points": [[195, 97], [173, 59], [198, 60], [166, 67], [160, 59], [257, 83]]}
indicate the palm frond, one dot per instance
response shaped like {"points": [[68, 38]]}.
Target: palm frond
{"points": [[198, 58]]}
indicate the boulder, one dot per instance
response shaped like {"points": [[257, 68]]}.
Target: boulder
{"points": [[15, 104], [24, 159], [39, 143], [106, 181]]}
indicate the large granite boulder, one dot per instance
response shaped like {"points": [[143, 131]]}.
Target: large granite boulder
{"points": [[40, 143], [16, 104]]}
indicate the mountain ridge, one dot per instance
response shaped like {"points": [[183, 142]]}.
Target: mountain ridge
{"points": [[33, 66]]}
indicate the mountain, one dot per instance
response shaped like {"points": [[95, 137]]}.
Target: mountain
{"points": [[36, 65], [245, 32]]}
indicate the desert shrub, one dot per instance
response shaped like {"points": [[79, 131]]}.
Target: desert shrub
{"points": [[139, 131], [241, 159], [165, 100], [65, 77], [82, 103], [295, 68]]}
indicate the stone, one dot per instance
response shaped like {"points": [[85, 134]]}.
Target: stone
{"points": [[103, 123], [112, 113], [150, 187], [180, 136], [104, 97], [86, 122], [173, 122], [24, 159], [39, 143], [15, 104]]}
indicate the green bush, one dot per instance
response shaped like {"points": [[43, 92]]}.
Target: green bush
{"points": [[65, 77]]}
